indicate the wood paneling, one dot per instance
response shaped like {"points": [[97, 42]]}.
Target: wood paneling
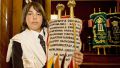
{"points": [[9, 18], [0, 34], [17, 16], [4, 32], [10, 22], [101, 61]]}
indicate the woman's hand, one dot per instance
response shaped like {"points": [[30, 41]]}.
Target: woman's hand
{"points": [[78, 57]]}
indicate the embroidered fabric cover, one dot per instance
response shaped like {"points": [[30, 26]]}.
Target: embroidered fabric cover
{"points": [[99, 28]]}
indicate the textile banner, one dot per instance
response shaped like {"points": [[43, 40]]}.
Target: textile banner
{"points": [[114, 29], [99, 28], [64, 35]]}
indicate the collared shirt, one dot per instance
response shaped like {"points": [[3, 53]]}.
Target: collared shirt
{"points": [[36, 34]]}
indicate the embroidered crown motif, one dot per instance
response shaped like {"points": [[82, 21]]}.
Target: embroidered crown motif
{"points": [[115, 23]]}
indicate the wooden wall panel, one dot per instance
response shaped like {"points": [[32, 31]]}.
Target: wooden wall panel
{"points": [[10, 22], [0, 33], [4, 32], [17, 15], [9, 15]]}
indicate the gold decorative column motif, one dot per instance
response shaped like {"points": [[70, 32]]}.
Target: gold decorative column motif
{"points": [[60, 8], [71, 4]]}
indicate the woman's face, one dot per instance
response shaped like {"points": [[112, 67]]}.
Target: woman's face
{"points": [[34, 19]]}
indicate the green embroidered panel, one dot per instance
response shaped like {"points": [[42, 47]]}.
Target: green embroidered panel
{"points": [[99, 28]]}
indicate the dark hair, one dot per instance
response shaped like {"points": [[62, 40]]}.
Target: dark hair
{"points": [[38, 7]]}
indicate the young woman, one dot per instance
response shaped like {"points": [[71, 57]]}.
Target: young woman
{"points": [[26, 48]]}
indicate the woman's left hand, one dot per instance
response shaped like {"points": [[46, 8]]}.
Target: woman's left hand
{"points": [[78, 57]]}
